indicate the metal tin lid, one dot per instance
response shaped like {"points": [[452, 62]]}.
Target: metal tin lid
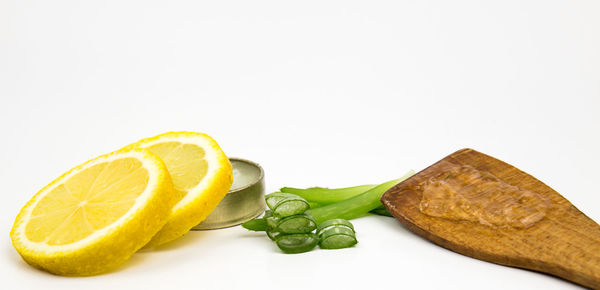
{"points": [[244, 201]]}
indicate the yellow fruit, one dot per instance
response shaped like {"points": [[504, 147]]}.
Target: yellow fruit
{"points": [[201, 174], [94, 217]]}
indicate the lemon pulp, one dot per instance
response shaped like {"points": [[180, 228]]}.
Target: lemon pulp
{"points": [[201, 175], [95, 216], [185, 163], [87, 202]]}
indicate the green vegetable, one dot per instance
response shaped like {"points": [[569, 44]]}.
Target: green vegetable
{"points": [[336, 234], [337, 237], [273, 198], [273, 234], [324, 196], [335, 222], [355, 206], [257, 225], [272, 221], [285, 204], [321, 196], [290, 207], [381, 211], [296, 224], [291, 224], [297, 243]]}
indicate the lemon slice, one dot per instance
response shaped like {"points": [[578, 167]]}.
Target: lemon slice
{"points": [[201, 175], [94, 217]]}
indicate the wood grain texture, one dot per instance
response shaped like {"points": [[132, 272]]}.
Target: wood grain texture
{"points": [[565, 243]]}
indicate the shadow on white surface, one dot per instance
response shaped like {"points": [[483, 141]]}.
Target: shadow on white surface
{"points": [[191, 237], [13, 257], [396, 226]]}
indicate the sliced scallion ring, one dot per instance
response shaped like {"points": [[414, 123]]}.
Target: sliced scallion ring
{"points": [[297, 243]]}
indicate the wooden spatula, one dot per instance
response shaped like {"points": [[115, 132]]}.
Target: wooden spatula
{"points": [[484, 208]]}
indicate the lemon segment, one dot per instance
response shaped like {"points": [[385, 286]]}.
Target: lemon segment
{"points": [[201, 174], [94, 217]]}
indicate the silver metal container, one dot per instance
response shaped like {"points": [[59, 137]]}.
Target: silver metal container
{"points": [[244, 201]]}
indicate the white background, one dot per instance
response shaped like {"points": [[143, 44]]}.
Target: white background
{"points": [[327, 93]]}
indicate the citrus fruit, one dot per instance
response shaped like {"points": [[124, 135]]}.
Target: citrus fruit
{"points": [[94, 217], [201, 174]]}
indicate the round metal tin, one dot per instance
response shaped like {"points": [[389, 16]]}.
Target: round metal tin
{"points": [[243, 202]]}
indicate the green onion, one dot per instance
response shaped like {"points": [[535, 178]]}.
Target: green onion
{"points": [[297, 243]]}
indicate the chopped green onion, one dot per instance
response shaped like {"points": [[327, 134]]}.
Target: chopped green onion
{"points": [[296, 224], [297, 243]]}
